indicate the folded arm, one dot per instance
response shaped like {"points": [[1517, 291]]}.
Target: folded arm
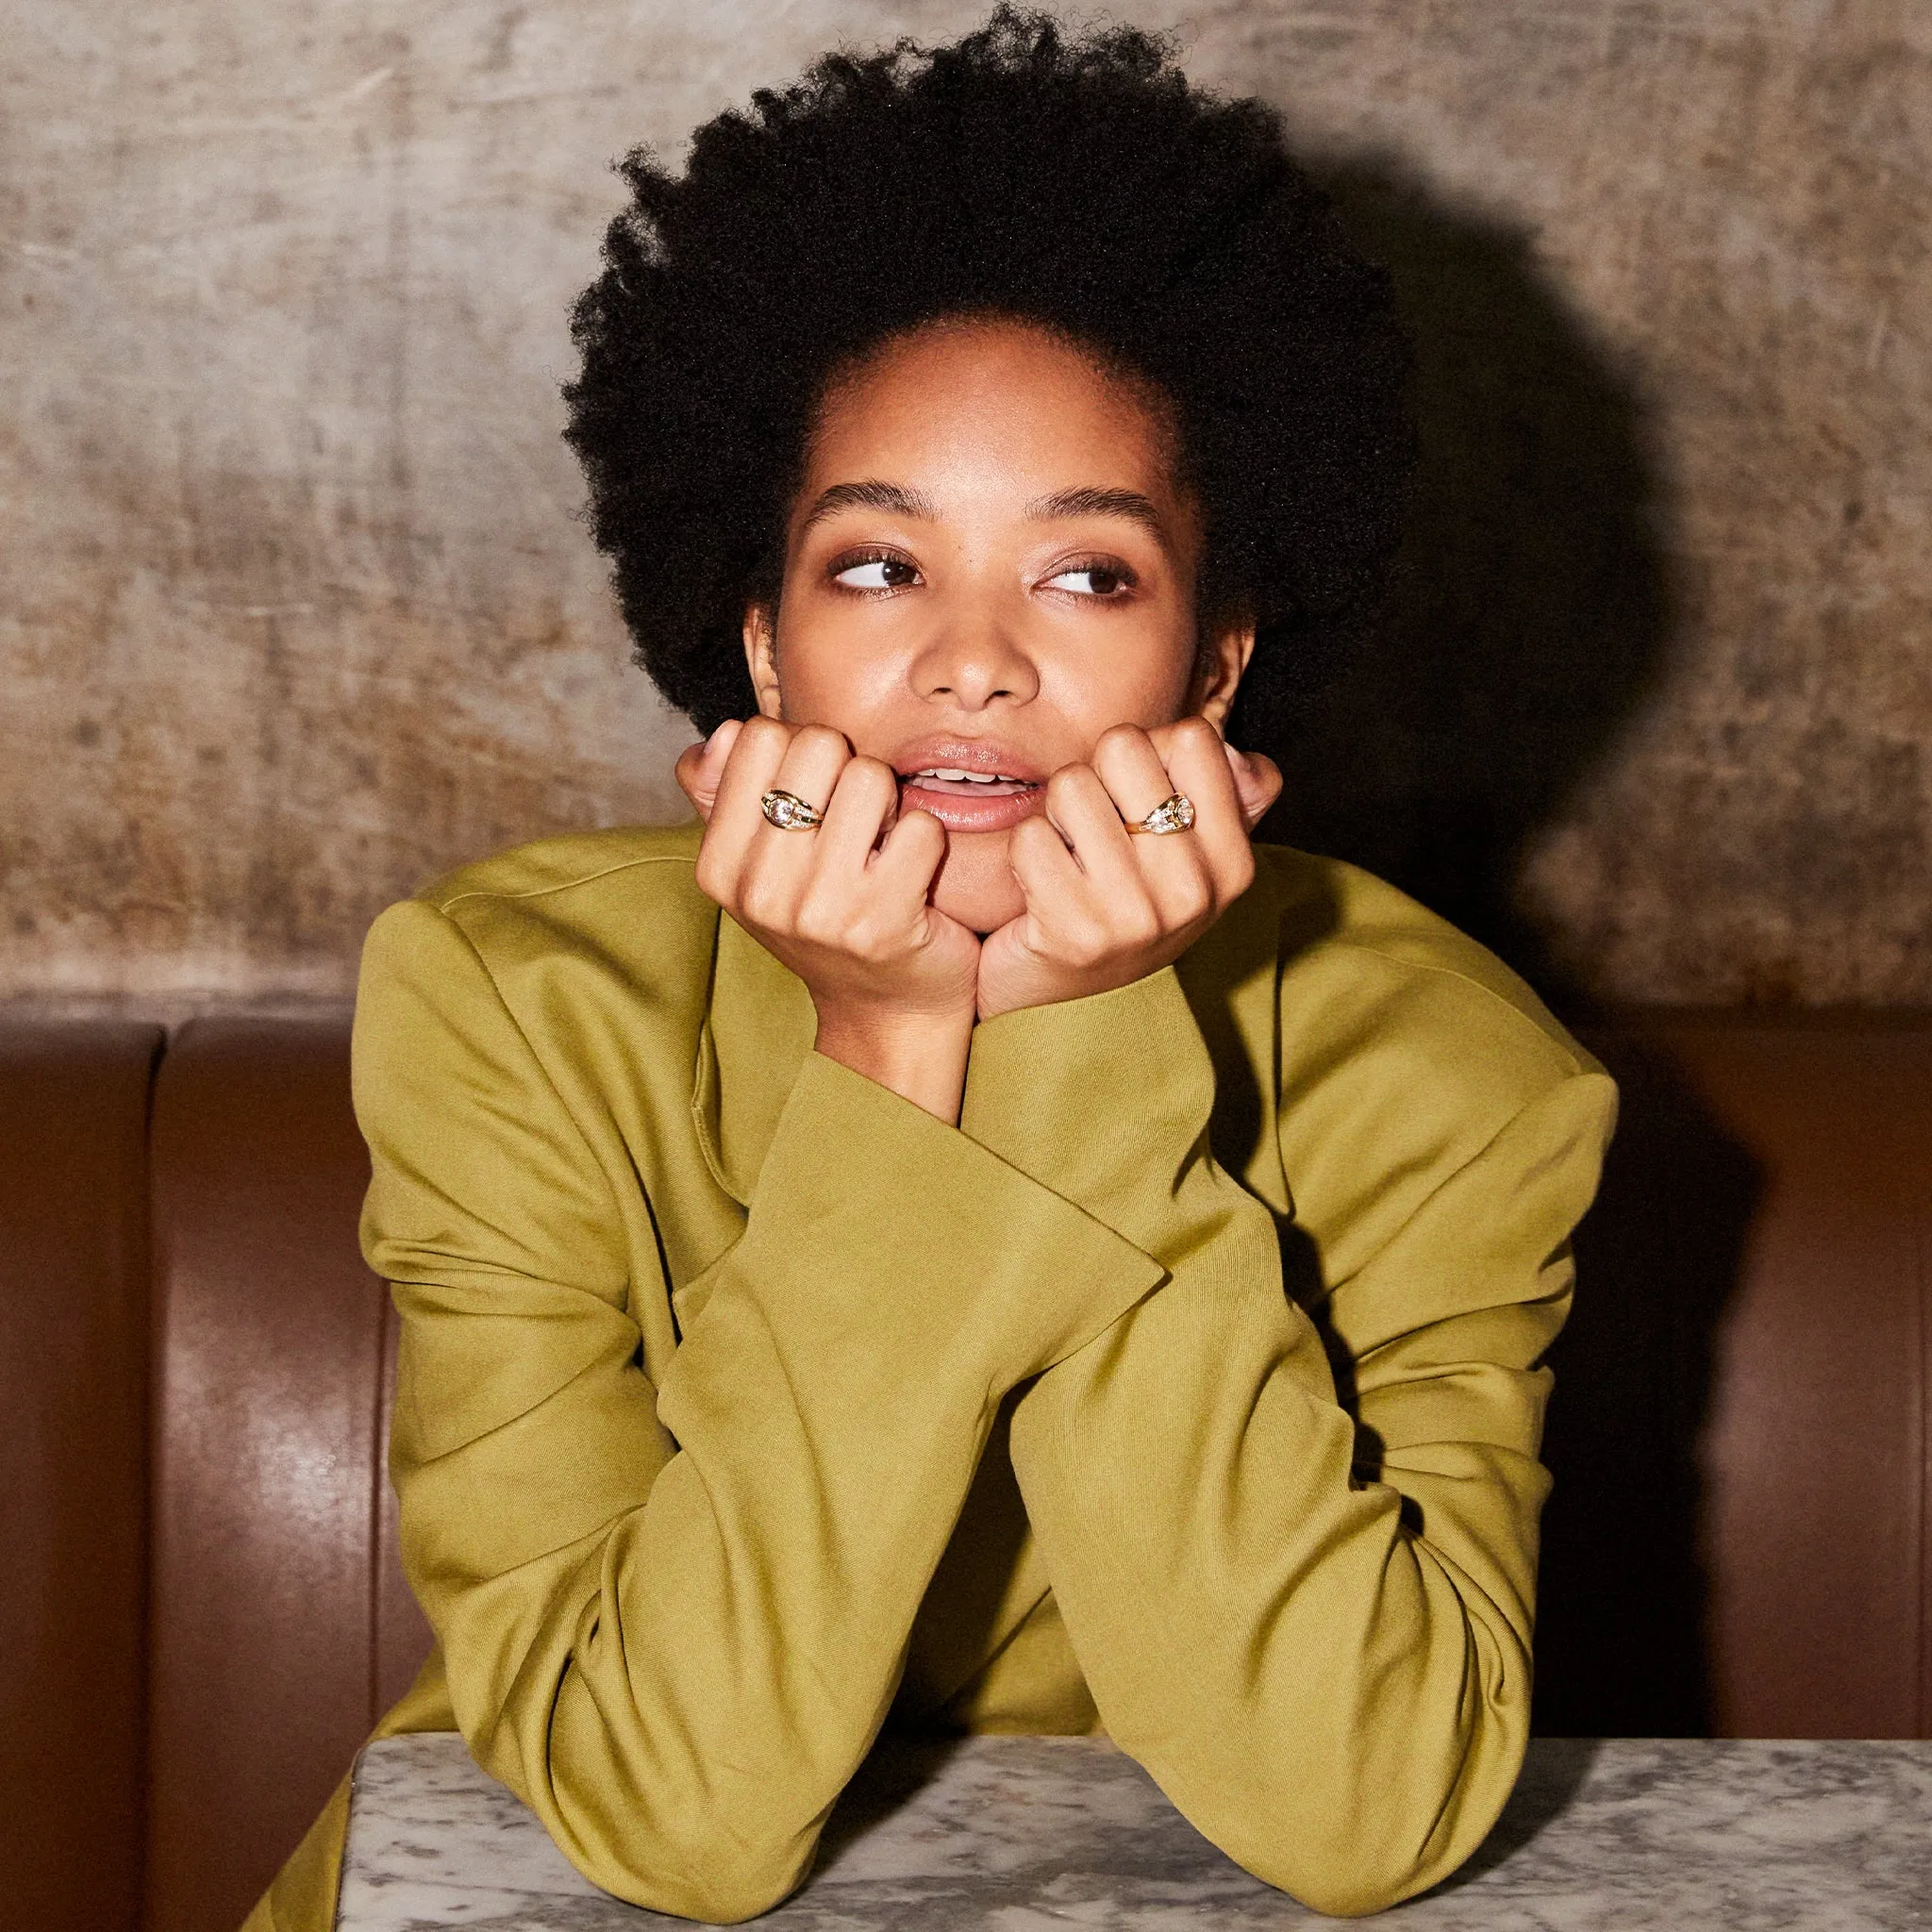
{"points": [[672, 1617], [1315, 1637]]}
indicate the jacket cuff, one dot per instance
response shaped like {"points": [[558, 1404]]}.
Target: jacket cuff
{"points": [[872, 1212], [1105, 1100]]}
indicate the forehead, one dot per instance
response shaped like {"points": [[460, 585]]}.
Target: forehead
{"points": [[993, 407]]}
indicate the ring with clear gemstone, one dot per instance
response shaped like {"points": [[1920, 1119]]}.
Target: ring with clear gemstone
{"points": [[788, 812], [1173, 815]]}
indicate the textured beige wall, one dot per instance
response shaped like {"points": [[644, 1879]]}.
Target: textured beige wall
{"points": [[294, 612]]}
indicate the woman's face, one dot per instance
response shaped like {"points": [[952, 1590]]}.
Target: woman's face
{"points": [[989, 563]]}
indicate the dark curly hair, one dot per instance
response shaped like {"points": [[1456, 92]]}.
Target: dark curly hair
{"points": [[1077, 182]]}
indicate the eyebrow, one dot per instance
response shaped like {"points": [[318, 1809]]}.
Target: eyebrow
{"points": [[1088, 500], [1091, 501], [871, 494]]}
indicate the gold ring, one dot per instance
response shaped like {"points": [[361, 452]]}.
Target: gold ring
{"points": [[788, 812], [1175, 813]]}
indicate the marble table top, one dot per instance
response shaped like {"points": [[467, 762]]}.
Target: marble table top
{"points": [[1012, 1834]]}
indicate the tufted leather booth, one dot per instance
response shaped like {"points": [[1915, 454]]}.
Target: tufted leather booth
{"points": [[201, 1612]]}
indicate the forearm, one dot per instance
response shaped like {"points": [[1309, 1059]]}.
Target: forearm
{"points": [[1318, 1689], [682, 1689], [1328, 1671], [701, 1690]]}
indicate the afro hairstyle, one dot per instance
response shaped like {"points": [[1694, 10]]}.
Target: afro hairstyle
{"points": [[1076, 182]]}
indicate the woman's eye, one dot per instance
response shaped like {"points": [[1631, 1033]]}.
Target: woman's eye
{"points": [[876, 574], [1091, 580]]}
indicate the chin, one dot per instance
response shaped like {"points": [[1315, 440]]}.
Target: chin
{"points": [[975, 885]]}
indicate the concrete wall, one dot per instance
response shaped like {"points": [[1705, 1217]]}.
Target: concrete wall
{"points": [[294, 612]]}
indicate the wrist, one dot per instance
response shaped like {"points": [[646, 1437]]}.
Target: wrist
{"points": [[919, 1056]]}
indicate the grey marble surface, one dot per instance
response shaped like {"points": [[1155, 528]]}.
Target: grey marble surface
{"points": [[1009, 1834]]}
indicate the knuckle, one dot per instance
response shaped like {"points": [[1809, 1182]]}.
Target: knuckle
{"points": [[868, 777], [869, 940], [815, 922], [917, 829], [1190, 903], [1087, 943], [1023, 848], [1194, 884], [819, 740], [761, 903]]}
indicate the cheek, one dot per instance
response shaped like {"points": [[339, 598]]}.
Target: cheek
{"points": [[1142, 681], [826, 674], [831, 690]]}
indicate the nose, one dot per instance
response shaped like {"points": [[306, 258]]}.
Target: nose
{"points": [[973, 664]]}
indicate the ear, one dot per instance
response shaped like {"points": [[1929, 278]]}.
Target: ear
{"points": [[1224, 658], [761, 659]]}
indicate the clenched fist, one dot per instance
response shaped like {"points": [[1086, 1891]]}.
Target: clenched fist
{"points": [[898, 985], [1106, 906], [846, 904]]}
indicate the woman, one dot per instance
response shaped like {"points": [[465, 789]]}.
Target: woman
{"points": [[961, 1237]]}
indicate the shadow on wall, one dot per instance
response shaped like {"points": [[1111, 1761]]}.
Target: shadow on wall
{"points": [[1532, 611], [1620, 1643], [1533, 616]]}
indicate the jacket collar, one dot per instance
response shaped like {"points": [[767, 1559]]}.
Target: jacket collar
{"points": [[759, 1027]]}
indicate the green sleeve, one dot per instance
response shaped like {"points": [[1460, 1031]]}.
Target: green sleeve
{"points": [[672, 1617], [1316, 1639]]}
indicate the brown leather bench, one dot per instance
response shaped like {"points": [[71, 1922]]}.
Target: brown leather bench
{"points": [[201, 1612]]}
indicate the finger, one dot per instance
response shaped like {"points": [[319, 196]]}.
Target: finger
{"points": [[909, 859], [1060, 916], [1082, 811], [1198, 763], [1172, 866], [735, 823], [1043, 864], [1130, 766], [782, 860], [863, 804], [1257, 777], [1102, 883], [811, 764], [686, 772], [701, 766], [1257, 781], [750, 769]]}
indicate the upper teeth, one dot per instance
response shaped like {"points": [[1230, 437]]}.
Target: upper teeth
{"points": [[969, 778]]}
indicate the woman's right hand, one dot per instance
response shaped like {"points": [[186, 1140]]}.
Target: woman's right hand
{"points": [[844, 905]]}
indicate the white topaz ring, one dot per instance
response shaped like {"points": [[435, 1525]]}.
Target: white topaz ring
{"points": [[788, 812], [1173, 815]]}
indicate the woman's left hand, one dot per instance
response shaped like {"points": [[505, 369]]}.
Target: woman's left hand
{"points": [[1106, 906]]}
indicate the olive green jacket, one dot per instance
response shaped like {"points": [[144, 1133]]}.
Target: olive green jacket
{"points": [[1187, 1389]]}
